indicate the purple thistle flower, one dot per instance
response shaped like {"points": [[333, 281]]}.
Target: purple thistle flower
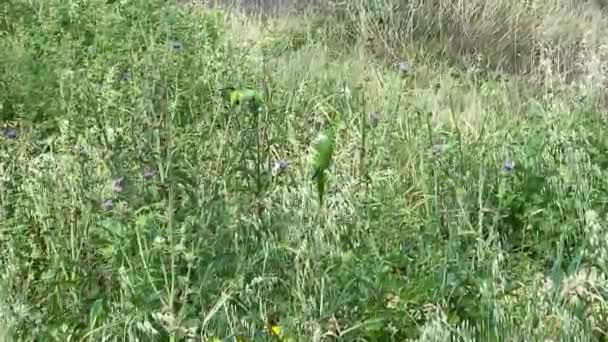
{"points": [[107, 204], [125, 76], [374, 118], [405, 68], [149, 173], [11, 133], [280, 166], [176, 45], [118, 185]]}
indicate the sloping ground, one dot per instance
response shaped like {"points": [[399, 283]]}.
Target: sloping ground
{"points": [[139, 204]]}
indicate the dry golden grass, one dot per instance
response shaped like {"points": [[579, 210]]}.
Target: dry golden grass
{"points": [[560, 45]]}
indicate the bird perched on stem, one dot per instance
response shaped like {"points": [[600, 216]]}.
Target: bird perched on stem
{"points": [[243, 96], [323, 151]]}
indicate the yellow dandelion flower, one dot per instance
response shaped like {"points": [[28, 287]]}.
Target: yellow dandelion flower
{"points": [[275, 329]]}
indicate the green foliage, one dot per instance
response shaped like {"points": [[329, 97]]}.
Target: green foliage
{"points": [[138, 204]]}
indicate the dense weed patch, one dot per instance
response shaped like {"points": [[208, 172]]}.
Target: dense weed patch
{"points": [[185, 173]]}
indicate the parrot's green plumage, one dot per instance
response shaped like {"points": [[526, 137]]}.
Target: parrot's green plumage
{"points": [[242, 96], [322, 155], [323, 152]]}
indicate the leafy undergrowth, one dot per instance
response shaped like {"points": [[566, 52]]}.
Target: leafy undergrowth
{"points": [[138, 203]]}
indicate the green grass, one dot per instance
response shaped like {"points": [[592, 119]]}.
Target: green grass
{"points": [[138, 204]]}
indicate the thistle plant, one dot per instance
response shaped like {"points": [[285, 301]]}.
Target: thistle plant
{"points": [[251, 101]]}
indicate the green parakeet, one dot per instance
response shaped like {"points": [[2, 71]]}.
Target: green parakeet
{"points": [[322, 155], [323, 152], [241, 96]]}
